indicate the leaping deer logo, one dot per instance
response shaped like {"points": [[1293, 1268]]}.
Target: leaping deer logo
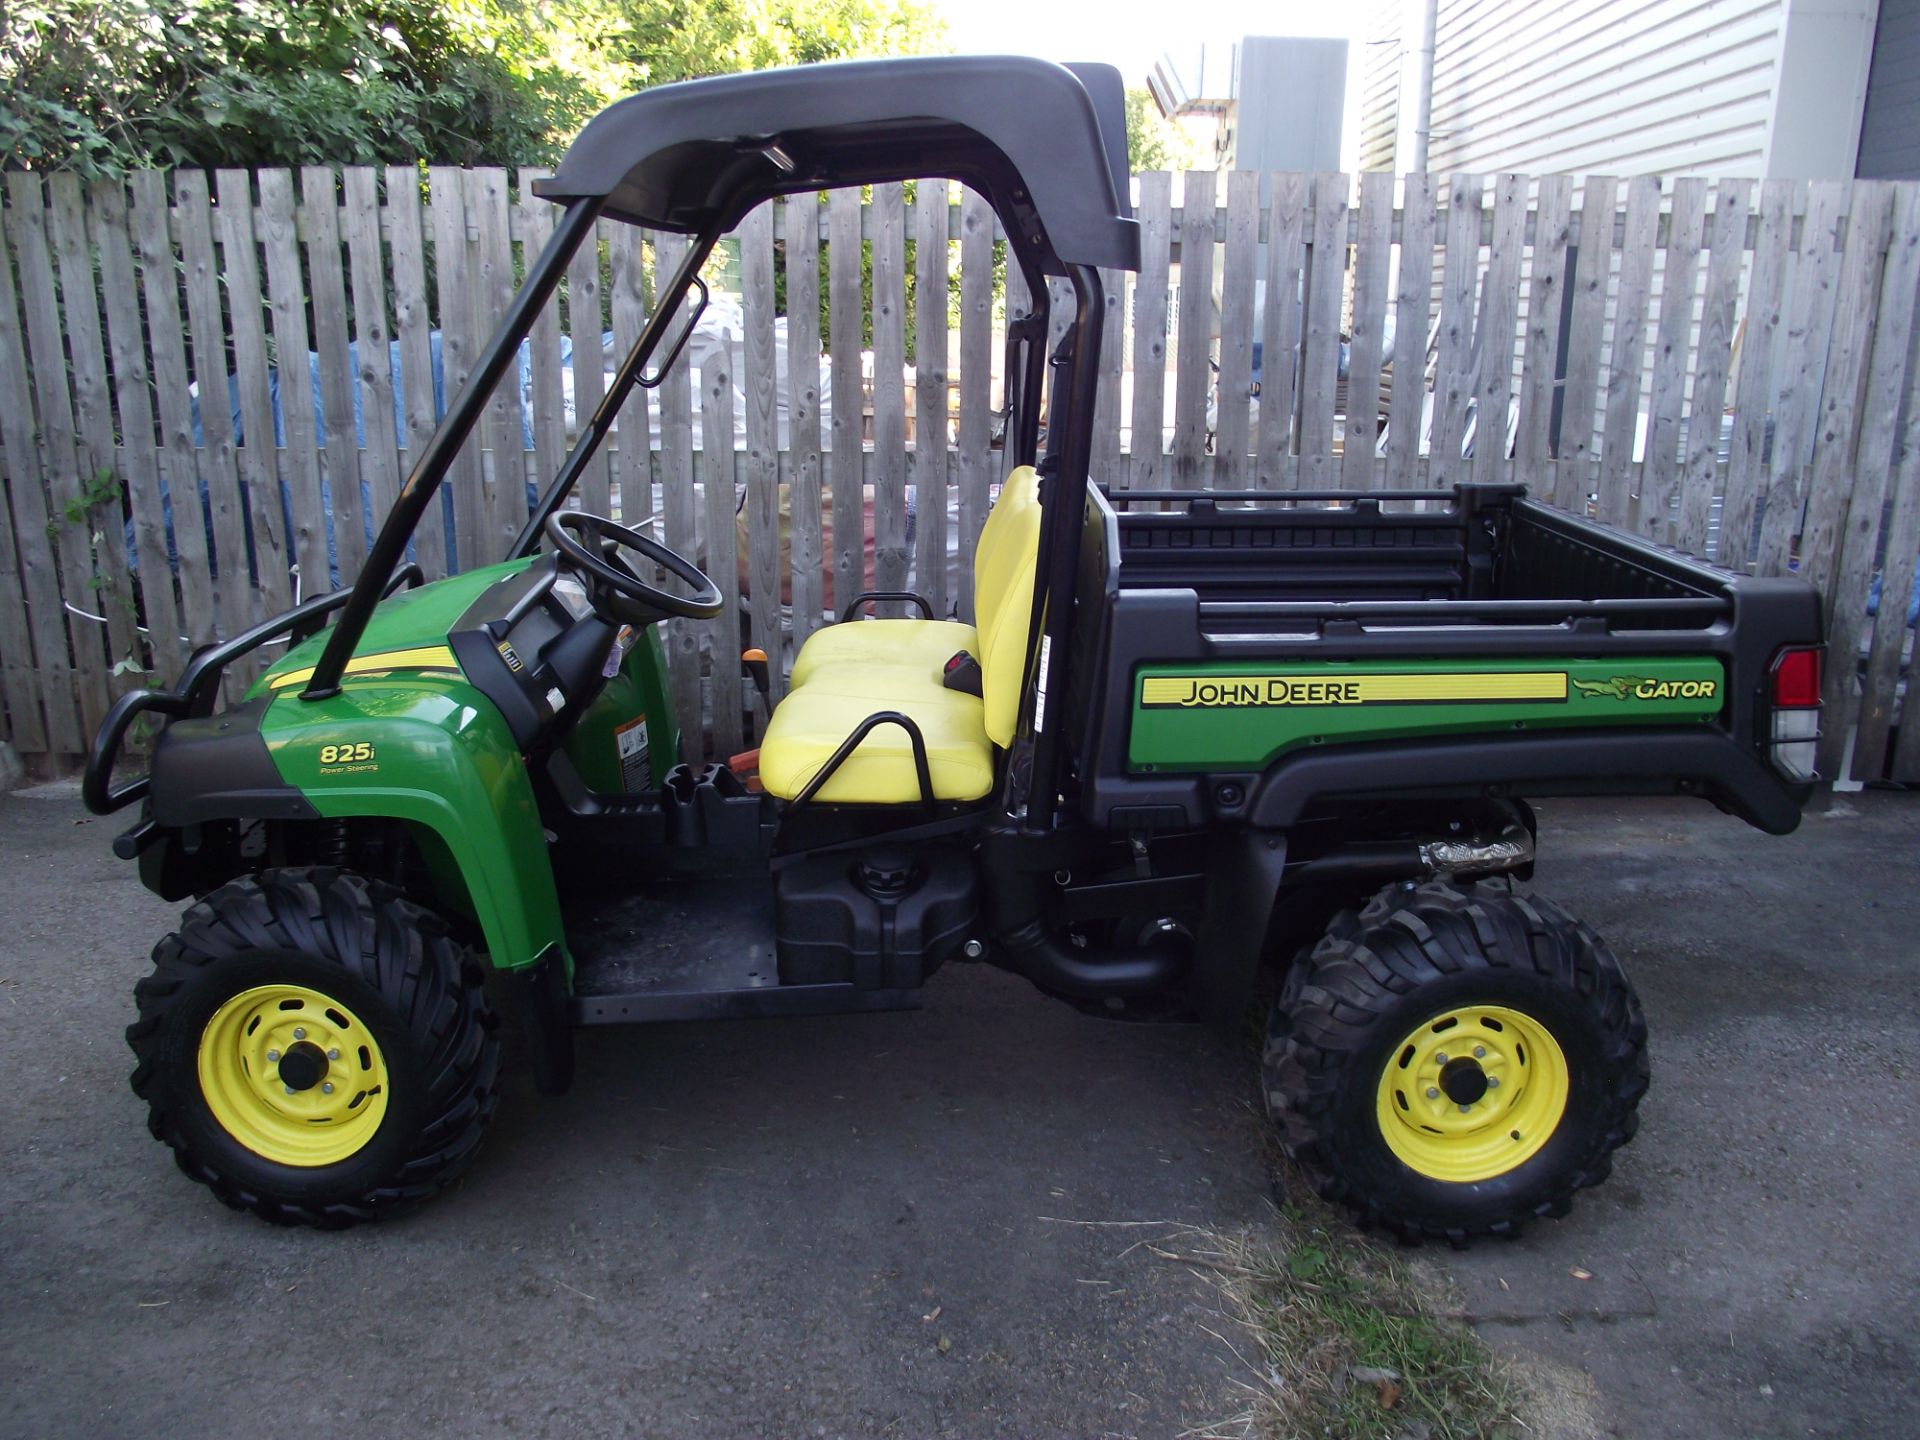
{"points": [[1619, 687]]}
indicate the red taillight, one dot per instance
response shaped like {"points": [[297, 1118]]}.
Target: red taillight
{"points": [[1796, 713], [1796, 680]]}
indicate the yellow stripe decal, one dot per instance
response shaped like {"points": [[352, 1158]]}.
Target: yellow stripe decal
{"points": [[425, 657], [1249, 691]]}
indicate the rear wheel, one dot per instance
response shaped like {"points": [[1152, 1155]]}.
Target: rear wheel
{"points": [[315, 1048], [1454, 1063]]}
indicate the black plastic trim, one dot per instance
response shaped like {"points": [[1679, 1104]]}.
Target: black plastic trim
{"points": [[218, 767]]}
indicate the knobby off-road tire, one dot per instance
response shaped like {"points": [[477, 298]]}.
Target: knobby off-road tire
{"points": [[388, 1085], [1435, 974]]}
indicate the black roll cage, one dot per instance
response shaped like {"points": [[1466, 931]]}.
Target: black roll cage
{"points": [[1091, 218]]}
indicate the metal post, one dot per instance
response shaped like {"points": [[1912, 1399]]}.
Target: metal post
{"points": [[390, 546], [1061, 530]]}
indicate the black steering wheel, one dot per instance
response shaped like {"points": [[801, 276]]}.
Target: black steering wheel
{"points": [[591, 544]]}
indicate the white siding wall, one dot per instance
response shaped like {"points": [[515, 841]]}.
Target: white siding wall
{"points": [[1623, 87], [1380, 87]]}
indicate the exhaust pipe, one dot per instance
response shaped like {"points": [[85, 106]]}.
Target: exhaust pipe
{"points": [[1016, 907]]}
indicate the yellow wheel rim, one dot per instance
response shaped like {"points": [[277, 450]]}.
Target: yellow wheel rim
{"points": [[1472, 1092], [293, 1075]]}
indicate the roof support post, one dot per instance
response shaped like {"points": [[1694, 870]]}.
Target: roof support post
{"points": [[1062, 525], [390, 546]]}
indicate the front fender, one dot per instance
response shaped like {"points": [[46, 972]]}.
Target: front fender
{"points": [[432, 752]]}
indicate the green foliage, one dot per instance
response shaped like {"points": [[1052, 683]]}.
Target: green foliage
{"points": [[1154, 142], [102, 86]]}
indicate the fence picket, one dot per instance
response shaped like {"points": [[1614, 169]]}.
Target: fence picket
{"points": [[413, 321], [492, 288], [298, 456], [328, 295], [1231, 460], [1546, 298], [808, 556], [1809, 331], [1627, 364], [1453, 370], [1372, 256], [845, 314], [1718, 309], [677, 516], [547, 385], [1412, 319], [718, 491], [889, 393], [1193, 378], [160, 290], [1493, 338], [585, 330], [1326, 285], [630, 482], [1753, 389], [1146, 467], [976, 383], [930, 439], [759, 473], [1660, 478], [459, 346], [1574, 453], [373, 341]]}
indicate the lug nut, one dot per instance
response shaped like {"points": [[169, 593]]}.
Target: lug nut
{"points": [[273, 1054], [1479, 1052], [1441, 1058], [1465, 1108], [298, 1033], [1432, 1093], [289, 1089], [333, 1054], [327, 1088], [1493, 1082]]}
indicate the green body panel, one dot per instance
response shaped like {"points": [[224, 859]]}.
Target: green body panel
{"points": [[1223, 715], [425, 747], [636, 697], [404, 621]]}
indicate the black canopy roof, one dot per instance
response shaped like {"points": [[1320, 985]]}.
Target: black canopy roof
{"points": [[1045, 143]]}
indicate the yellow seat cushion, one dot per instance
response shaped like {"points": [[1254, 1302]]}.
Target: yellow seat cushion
{"points": [[816, 718], [919, 645]]}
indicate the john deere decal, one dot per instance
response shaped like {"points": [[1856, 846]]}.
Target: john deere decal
{"points": [[1186, 692]]}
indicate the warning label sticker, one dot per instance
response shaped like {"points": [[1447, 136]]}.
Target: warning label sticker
{"points": [[636, 769]]}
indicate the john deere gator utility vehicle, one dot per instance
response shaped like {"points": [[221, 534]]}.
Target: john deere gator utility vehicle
{"points": [[1185, 739]]}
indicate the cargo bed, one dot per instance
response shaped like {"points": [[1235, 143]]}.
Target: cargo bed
{"points": [[1478, 637]]}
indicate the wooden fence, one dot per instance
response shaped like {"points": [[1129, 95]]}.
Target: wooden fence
{"points": [[1727, 368]]}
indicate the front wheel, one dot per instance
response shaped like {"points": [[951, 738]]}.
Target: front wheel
{"points": [[1453, 1063], [315, 1048]]}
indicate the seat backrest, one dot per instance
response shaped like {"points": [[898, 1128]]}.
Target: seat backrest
{"points": [[1004, 563]]}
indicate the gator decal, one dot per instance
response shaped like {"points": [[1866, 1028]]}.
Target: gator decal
{"points": [[1236, 716], [1640, 687]]}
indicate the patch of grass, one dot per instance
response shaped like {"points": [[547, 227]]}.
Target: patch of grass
{"points": [[1343, 1339]]}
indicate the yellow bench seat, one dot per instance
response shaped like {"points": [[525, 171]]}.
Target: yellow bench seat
{"points": [[923, 646], [815, 719], [848, 672]]}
